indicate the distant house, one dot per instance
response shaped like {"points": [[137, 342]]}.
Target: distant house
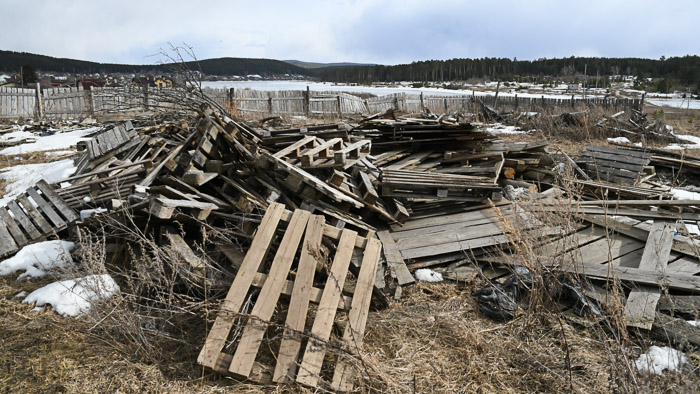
{"points": [[14, 81], [164, 82], [51, 81], [144, 81], [574, 86], [89, 83]]}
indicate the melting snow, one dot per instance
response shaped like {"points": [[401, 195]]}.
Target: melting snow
{"points": [[498, 128], [428, 275], [693, 143], [86, 214], [679, 194], [38, 258], [620, 140], [60, 153], [50, 142], [74, 297], [658, 359], [26, 175]]}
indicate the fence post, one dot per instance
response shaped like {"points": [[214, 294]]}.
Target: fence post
{"points": [[91, 100], [38, 101], [422, 103], [269, 105], [307, 101], [516, 102], [445, 103], [340, 111]]}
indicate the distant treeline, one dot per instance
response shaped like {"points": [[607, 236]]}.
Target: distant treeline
{"points": [[11, 62], [685, 70]]}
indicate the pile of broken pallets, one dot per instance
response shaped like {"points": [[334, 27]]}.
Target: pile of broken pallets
{"points": [[311, 218]]}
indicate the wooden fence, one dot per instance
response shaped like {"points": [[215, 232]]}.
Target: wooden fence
{"points": [[17, 103], [76, 103], [299, 102]]}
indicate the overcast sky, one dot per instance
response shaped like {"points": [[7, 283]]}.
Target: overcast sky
{"points": [[386, 32]]}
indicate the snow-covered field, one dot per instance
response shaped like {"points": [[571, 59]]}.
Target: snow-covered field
{"points": [[403, 87], [675, 103]]}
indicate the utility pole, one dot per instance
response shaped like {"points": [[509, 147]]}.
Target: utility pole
{"points": [[585, 79]]}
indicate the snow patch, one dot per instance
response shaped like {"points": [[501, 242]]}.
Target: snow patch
{"points": [[498, 128], [658, 359], [74, 297], [428, 275], [27, 175], [60, 153], [620, 140], [680, 194], [38, 258], [51, 142], [693, 143], [86, 214]]}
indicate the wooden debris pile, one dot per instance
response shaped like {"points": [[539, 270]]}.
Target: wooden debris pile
{"points": [[638, 126], [301, 218]]}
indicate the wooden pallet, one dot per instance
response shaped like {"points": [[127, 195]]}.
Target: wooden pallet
{"points": [[620, 166], [35, 215], [296, 337], [422, 185], [313, 152], [106, 141]]}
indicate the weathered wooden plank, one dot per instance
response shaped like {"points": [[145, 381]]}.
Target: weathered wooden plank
{"points": [[13, 228], [23, 220], [621, 152], [394, 259], [285, 369], [321, 329], [641, 303], [44, 225], [357, 317], [239, 289], [7, 243], [253, 333], [640, 230], [369, 193], [183, 250], [57, 201]]}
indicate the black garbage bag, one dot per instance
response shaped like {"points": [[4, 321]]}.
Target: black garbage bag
{"points": [[501, 301]]}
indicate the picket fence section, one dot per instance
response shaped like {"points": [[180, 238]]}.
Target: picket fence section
{"points": [[17, 102]]}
